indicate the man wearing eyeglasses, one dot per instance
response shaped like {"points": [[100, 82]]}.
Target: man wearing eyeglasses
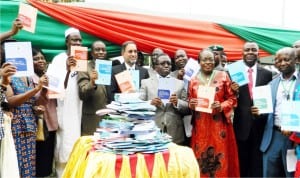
{"points": [[170, 108]]}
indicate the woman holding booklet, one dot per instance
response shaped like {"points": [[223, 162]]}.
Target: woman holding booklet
{"points": [[212, 101], [21, 98]]}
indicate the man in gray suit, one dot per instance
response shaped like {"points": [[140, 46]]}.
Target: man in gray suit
{"points": [[168, 116], [285, 87]]}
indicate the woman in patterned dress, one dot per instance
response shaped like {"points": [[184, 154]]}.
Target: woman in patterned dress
{"points": [[20, 96], [213, 140]]}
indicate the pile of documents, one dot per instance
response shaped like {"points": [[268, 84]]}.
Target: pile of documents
{"points": [[128, 127]]}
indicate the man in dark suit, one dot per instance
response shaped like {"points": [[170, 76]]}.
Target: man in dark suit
{"points": [[129, 53], [284, 88], [249, 128]]}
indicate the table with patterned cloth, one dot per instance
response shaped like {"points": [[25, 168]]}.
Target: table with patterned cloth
{"points": [[86, 162]]}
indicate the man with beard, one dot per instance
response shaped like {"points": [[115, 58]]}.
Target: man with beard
{"points": [[129, 53], [68, 108], [94, 96], [247, 126], [275, 143], [168, 117], [180, 61]]}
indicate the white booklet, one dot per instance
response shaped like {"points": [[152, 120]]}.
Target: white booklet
{"points": [[262, 99], [20, 55], [290, 116], [103, 68], [237, 72], [56, 82], [28, 16], [191, 68], [206, 97], [166, 87]]}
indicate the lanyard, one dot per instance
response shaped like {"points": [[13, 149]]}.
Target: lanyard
{"points": [[286, 91], [210, 78]]}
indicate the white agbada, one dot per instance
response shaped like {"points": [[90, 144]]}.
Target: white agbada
{"points": [[68, 112]]}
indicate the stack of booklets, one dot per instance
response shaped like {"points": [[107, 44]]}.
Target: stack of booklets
{"points": [[129, 128]]}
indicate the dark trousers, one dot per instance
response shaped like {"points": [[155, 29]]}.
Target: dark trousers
{"points": [[250, 157]]}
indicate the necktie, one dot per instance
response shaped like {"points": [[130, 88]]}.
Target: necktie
{"points": [[250, 84]]}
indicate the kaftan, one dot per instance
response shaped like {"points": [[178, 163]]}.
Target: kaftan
{"points": [[213, 140]]}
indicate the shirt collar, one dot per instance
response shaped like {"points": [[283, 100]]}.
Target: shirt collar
{"points": [[294, 76], [130, 67]]}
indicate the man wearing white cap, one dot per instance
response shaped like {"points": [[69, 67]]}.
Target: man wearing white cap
{"points": [[68, 107]]}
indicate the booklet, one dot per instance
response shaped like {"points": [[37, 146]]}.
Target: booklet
{"points": [[191, 69], [205, 96], [28, 16], [124, 80], [262, 99], [56, 84], [103, 68], [81, 54], [237, 72], [290, 116], [135, 74], [166, 87], [20, 55]]}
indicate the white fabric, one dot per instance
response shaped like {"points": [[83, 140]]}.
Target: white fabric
{"points": [[68, 112], [8, 155], [70, 31]]}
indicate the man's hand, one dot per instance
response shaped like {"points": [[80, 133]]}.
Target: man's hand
{"points": [[255, 111], [180, 74], [156, 102], [71, 61], [93, 76], [173, 99]]}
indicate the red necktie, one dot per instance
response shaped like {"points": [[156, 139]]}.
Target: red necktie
{"points": [[250, 84]]}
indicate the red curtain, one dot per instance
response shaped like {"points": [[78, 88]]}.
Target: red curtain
{"points": [[147, 31]]}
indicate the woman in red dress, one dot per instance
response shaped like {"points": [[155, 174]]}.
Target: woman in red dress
{"points": [[213, 140]]}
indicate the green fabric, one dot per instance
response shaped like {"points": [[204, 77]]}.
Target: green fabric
{"points": [[268, 39], [49, 33]]}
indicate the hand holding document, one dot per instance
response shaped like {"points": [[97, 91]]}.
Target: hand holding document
{"points": [[81, 54], [56, 84], [28, 16], [238, 73], [205, 96], [19, 54], [124, 80], [290, 116], [262, 99], [103, 68], [165, 89]]}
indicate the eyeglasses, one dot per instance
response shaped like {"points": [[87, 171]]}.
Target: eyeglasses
{"points": [[164, 63]]}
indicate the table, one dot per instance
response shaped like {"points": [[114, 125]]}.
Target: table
{"points": [[86, 162]]}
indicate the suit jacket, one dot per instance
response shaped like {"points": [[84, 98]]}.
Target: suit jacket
{"points": [[168, 115], [268, 132], [243, 119], [93, 98], [114, 88]]}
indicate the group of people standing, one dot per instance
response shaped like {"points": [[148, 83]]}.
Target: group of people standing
{"points": [[234, 140]]}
